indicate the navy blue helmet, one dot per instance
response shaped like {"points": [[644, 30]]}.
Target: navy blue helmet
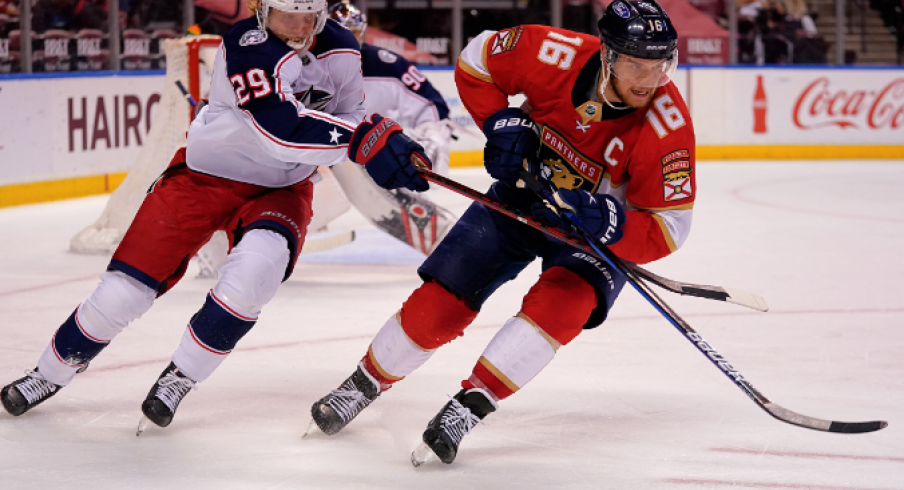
{"points": [[640, 29]]}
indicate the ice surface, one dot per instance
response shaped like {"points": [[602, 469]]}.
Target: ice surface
{"points": [[630, 405]]}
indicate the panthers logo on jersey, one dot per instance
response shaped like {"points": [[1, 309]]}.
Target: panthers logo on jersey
{"points": [[566, 167], [314, 99]]}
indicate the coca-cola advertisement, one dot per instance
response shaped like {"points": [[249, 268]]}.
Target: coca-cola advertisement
{"points": [[801, 106]]}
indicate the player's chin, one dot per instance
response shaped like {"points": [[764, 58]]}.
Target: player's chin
{"points": [[638, 97]]}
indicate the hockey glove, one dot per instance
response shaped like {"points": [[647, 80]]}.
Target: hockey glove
{"points": [[512, 139], [389, 155], [601, 214]]}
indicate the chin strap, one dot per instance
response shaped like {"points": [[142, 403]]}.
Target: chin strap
{"points": [[604, 83]]}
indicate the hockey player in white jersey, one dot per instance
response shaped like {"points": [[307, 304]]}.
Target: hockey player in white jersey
{"points": [[393, 86], [246, 170]]}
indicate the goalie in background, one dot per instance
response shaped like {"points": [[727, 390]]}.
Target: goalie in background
{"points": [[394, 87], [246, 169]]}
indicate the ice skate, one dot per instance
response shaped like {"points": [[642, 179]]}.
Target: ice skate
{"points": [[26, 393], [445, 432], [334, 411], [162, 401]]}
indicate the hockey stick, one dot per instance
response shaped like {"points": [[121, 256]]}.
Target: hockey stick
{"points": [[695, 338], [718, 293], [316, 243]]}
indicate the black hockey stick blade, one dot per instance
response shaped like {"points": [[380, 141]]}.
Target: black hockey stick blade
{"points": [[729, 295], [785, 415]]}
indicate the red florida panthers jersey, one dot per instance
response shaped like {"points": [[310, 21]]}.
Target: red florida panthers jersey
{"points": [[643, 157]]}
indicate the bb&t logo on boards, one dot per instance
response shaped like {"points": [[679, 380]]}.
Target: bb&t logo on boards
{"points": [[820, 105]]}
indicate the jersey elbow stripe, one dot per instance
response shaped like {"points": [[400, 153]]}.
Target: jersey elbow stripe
{"points": [[666, 234], [681, 207], [338, 51], [473, 72]]}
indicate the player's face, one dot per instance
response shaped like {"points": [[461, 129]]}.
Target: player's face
{"points": [[292, 27], [633, 80]]}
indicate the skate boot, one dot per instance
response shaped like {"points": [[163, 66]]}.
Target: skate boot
{"points": [[166, 394], [452, 423], [26, 393], [334, 411]]}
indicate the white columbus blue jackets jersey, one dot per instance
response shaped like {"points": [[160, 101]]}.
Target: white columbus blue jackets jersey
{"points": [[274, 116], [395, 88]]}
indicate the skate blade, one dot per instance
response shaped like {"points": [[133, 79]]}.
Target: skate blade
{"points": [[143, 424], [313, 429], [422, 454]]}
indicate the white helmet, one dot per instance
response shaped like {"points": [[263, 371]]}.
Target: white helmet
{"points": [[296, 7]]}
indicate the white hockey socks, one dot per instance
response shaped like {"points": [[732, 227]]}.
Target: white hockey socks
{"points": [[117, 301], [248, 281]]}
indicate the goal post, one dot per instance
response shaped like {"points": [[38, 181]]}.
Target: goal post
{"points": [[189, 60]]}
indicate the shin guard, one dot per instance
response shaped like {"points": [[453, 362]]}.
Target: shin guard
{"points": [[210, 336]]}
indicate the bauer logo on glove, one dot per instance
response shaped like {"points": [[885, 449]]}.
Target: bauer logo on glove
{"points": [[601, 214], [390, 157]]}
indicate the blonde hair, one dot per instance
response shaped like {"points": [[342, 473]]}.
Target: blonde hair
{"points": [[252, 6]]}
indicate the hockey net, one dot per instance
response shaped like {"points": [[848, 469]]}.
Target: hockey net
{"points": [[189, 61]]}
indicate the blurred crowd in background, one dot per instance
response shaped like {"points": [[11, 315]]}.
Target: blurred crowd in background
{"points": [[74, 35]]}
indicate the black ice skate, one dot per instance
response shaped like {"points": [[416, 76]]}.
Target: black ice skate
{"points": [[334, 411], [162, 401], [451, 424], [26, 393]]}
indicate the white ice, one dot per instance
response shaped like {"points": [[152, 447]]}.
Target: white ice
{"points": [[630, 405]]}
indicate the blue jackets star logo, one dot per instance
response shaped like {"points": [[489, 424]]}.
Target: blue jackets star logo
{"points": [[314, 99], [334, 136]]}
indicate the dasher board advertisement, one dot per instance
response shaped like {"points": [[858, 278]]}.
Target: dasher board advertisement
{"points": [[74, 126], [838, 107]]}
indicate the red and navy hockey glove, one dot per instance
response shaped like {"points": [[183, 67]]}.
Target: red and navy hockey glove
{"points": [[601, 214], [512, 139], [388, 154]]}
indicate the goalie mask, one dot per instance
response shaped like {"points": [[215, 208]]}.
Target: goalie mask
{"points": [[288, 31], [351, 18], [641, 44]]}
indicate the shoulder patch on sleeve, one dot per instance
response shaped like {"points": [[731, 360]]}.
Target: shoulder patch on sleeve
{"points": [[387, 56], [506, 40], [676, 176], [254, 36]]}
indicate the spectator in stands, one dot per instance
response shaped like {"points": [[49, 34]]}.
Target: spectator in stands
{"points": [[9, 7], [749, 9], [809, 46], [775, 43], [53, 14], [797, 15], [217, 16]]}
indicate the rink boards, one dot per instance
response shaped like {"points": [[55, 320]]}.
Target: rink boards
{"points": [[69, 136]]}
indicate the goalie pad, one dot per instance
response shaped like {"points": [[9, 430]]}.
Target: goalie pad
{"points": [[407, 216]]}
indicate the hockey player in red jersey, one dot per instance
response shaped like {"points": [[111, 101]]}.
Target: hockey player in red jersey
{"points": [[605, 126], [245, 170]]}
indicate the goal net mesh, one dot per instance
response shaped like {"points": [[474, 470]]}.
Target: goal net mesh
{"points": [[167, 134]]}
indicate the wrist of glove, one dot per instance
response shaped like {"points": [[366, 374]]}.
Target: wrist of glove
{"points": [[390, 157], [513, 144], [601, 214]]}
